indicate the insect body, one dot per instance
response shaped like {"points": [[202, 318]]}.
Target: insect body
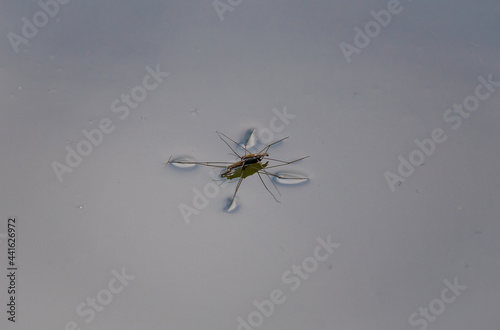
{"points": [[246, 165], [243, 164]]}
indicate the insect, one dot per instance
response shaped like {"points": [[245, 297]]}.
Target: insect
{"points": [[247, 164]]}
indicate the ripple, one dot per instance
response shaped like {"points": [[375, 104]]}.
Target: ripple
{"points": [[290, 178], [232, 206], [182, 162], [250, 139]]}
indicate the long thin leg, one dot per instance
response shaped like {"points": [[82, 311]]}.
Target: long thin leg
{"points": [[284, 163], [236, 190], [282, 177], [238, 144], [267, 173], [219, 133], [260, 177], [266, 148], [211, 164]]}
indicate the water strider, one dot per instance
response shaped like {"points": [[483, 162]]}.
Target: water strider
{"points": [[246, 165]]}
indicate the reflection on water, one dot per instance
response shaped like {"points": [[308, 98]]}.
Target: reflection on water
{"points": [[249, 164]]}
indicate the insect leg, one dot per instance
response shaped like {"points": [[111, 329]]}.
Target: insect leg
{"points": [[267, 173], [282, 177], [266, 148], [219, 133], [236, 190], [260, 177], [284, 163]]}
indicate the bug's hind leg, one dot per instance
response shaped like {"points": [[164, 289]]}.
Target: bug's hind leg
{"points": [[260, 177], [267, 173]]}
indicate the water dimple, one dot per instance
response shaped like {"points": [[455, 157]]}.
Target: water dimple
{"points": [[290, 178], [182, 162], [232, 206], [250, 139]]}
